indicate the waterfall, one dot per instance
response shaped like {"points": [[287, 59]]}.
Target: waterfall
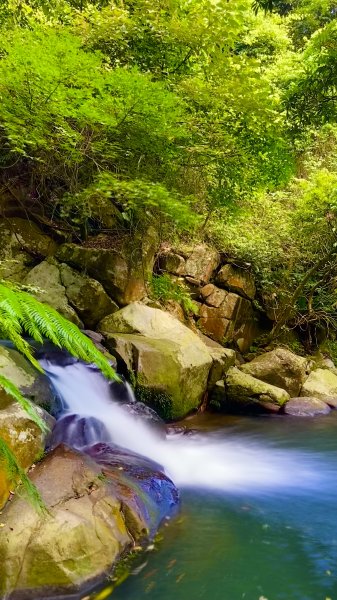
{"points": [[91, 412]]}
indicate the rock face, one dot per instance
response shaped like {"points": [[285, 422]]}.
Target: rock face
{"points": [[237, 280], [23, 437], [123, 272], [321, 384], [22, 243], [306, 407], [171, 364], [201, 263], [47, 279], [97, 511], [281, 368], [30, 382], [243, 389], [86, 295]]}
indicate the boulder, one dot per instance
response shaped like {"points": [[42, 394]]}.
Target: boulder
{"points": [[86, 295], [281, 368], [46, 280], [216, 298], [123, 271], [306, 407], [23, 437], [237, 280], [223, 359], [164, 355], [214, 324], [321, 384], [172, 263], [99, 507], [31, 383], [21, 244], [244, 390], [202, 263]]}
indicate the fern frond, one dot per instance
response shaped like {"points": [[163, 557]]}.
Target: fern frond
{"points": [[18, 477], [31, 411], [21, 314]]}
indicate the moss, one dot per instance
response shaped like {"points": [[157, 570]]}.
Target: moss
{"points": [[157, 399]]}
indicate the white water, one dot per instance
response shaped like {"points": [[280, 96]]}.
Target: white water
{"points": [[219, 464]]}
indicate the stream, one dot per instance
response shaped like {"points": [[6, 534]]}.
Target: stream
{"points": [[259, 496]]}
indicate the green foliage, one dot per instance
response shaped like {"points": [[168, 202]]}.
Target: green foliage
{"points": [[164, 289], [15, 393]]}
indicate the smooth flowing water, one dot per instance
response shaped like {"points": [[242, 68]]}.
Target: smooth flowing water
{"points": [[259, 501]]}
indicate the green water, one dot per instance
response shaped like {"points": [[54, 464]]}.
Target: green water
{"points": [[271, 544]]}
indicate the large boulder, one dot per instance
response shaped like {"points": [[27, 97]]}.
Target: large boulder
{"points": [[31, 383], [165, 356], [244, 390], [237, 280], [281, 368], [123, 271], [45, 279], [306, 407], [99, 507], [22, 243], [321, 384], [201, 263], [86, 295], [23, 437]]}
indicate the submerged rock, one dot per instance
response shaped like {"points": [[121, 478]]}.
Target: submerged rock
{"points": [[99, 507], [306, 407], [280, 368], [169, 361]]}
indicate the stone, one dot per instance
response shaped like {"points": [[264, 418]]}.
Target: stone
{"points": [[123, 272], [172, 263], [87, 296], [223, 359], [202, 263], [244, 390], [306, 407], [207, 290], [184, 381], [21, 244], [46, 280], [237, 280], [216, 298], [23, 436], [213, 323], [98, 510], [33, 385], [281, 368], [321, 384]]}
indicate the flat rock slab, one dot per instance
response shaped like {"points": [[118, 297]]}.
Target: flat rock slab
{"points": [[306, 407]]}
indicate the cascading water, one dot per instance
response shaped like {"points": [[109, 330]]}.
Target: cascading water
{"points": [[89, 414]]}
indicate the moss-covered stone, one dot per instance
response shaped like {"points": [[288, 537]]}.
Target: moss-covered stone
{"points": [[243, 389], [321, 384]]}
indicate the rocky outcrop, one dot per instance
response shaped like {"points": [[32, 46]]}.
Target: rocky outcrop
{"points": [[97, 510], [45, 278], [237, 280], [31, 383], [123, 271], [169, 361], [201, 263], [306, 407], [244, 390], [321, 384], [280, 368], [23, 437], [86, 295]]}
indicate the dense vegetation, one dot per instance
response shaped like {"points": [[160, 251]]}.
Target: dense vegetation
{"points": [[214, 119]]}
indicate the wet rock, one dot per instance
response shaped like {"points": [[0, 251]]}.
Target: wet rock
{"points": [[202, 263], [86, 295], [281, 368], [321, 384], [306, 407], [164, 355], [243, 389], [46, 278], [100, 505], [237, 280]]}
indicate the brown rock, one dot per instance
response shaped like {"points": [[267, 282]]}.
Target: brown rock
{"points": [[172, 263], [237, 280], [216, 298], [207, 290], [214, 324], [202, 262]]}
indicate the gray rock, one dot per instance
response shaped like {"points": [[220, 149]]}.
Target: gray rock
{"points": [[306, 407], [202, 263], [243, 389], [321, 384]]}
